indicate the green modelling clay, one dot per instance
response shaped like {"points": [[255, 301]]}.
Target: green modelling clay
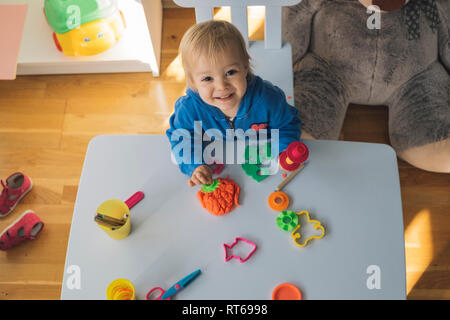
{"points": [[206, 188], [287, 220], [254, 157]]}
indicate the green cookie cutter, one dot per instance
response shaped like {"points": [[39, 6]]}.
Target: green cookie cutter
{"points": [[287, 220], [254, 157]]}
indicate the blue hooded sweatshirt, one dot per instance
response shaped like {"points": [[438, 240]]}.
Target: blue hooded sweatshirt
{"points": [[263, 106]]}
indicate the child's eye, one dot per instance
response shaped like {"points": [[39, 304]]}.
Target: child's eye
{"points": [[207, 79], [87, 39], [231, 72]]}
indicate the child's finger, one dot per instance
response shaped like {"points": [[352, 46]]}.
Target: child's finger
{"points": [[202, 178], [207, 178], [195, 180]]}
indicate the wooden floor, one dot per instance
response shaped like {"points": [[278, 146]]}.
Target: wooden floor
{"points": [[46, 123]]}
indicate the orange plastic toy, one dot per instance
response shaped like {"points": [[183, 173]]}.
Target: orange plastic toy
{"points": [[286, 291], [220, 196], [278, 201]]}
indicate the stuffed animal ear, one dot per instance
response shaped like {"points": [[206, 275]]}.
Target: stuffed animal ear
{"points": [[389, 5]]}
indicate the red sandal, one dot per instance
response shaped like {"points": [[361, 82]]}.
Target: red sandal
{"points": [[26, 227], [17, 186]]}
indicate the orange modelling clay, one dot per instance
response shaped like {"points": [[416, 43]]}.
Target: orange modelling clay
{"points": [[278, 201], [286, 291], [220, 196]]}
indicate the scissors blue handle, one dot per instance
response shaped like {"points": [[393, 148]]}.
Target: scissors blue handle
{"points": [[183, 283]]}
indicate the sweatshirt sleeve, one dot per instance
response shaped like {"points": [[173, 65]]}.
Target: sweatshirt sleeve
{"points": [[183, 136], [283, 117]]}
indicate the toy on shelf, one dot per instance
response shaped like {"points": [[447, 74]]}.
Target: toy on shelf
{"points": [[296, 232], [220, 196], [183, 283], [84, 27], [241, 260], [294, 155]]}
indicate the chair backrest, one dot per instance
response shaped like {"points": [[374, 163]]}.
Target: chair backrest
{"points": [[272, 31]]}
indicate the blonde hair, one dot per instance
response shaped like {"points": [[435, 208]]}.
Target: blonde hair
{"points": [[209, 38]]}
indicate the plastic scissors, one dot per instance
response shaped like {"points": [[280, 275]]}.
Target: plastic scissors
{"points": [[183, 283]]}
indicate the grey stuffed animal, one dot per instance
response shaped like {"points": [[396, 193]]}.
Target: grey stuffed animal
{"points": [[403, 64]]}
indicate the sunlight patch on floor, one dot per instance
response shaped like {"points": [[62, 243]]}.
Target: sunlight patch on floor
{"points": [[418, 247]]}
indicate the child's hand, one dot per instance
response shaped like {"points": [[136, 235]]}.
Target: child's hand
{"points": [[201, 175]]}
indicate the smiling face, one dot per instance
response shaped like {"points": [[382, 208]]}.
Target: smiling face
{"points": [[222, 81]]}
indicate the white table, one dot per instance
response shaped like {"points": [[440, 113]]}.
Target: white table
{"points": [[352, 188]]}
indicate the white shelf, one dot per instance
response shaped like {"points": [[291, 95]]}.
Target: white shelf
{"points": [[135, 52]]}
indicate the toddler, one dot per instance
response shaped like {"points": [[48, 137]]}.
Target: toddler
{"points": [[223, 93]]}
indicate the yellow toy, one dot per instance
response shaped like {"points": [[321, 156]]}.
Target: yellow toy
{"points": [[93, 37], [296, 234], [84, 27]]}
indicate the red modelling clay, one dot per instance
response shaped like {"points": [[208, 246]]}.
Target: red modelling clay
{"points": [[297, 152]]}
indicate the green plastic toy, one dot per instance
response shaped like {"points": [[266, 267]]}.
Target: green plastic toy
{"points": [[66, 15], [254, 157], [287, 220]]}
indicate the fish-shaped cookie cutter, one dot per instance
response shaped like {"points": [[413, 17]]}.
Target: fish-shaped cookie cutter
{"points": [[228, 258], [317, 225]]}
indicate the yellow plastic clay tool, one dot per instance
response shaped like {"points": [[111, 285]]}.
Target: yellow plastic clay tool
{"points": [[296, 232], [120, 289]]}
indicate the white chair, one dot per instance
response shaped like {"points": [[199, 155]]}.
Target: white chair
{"points": [[272, 58]]}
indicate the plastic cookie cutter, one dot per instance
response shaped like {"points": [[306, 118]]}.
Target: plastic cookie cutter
{"points": [[256, 157], [229, 257], [317, 225], [287, 220], [183, 283], [278, 201]]}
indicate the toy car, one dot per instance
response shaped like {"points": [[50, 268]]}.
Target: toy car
{"points": [[84, 27]]}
